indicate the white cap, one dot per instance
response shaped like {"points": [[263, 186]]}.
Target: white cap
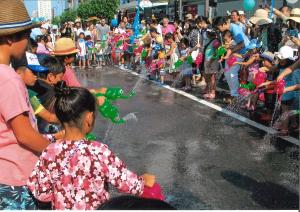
{"points": [[54, 27], [286, 52], [241, 12], [45, 26]]}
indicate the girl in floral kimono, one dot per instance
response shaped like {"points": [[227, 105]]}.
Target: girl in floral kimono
{"points": [[73, 172]]}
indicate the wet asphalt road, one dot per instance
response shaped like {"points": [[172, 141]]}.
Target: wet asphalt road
{"points": [[202, 158]]}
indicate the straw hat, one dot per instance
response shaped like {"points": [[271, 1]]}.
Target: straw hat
{"points": [[260, 17], [65, 46], [295, 15], [14, 17], [189, 16]]}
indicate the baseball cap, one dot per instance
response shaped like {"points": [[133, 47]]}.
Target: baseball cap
{"points": [[286, 52], [30, 61], [241, 12]]}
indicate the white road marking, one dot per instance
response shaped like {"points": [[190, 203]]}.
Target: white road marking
{"points": [[225, 111]]}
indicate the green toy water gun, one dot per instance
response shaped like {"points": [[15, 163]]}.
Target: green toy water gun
{"points": [[250, 86], [115, 93], [220, 52], [144, 54], [190, 60], [91, 137], [111, 112], [119, 43], [178, 63]]}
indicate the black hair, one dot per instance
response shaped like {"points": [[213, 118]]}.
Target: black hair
{"points": [[31, 44], [169, 35], [40, 38], [88, 37], [185, 41], [153, 29], [71, 103], [16, 36], [202, 18], [235, 11], [62, 58], [135, 203], [227, 33], [53, 64], [288, 64], [81, 33], [218, 21]]}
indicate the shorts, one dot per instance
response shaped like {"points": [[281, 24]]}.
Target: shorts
{"points": [[90, 56], [16, 198], [82, 57], [211, 68], [99, 57]]}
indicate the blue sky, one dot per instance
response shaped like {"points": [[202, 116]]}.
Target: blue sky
{"points": [[58, 5]]}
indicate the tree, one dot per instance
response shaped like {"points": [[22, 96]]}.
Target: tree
{"points": [[68, 15], [56, 20], [99, 8]]}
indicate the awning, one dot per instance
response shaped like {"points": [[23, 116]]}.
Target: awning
{"points": [[132, 5]]}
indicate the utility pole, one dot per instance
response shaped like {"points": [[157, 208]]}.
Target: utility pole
{"points": [[180, 10], [206, 8]]}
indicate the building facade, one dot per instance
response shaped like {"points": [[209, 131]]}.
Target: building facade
{"points": [[179, 8], [44, 9]]}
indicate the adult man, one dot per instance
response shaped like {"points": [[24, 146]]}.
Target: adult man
{"points": [[166, 27], [102, 29], [244, 22], [222, 24]]}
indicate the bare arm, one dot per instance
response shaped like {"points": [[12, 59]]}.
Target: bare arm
{"points": [[292, 88], [289, 70], [238, 47], [26, 134], [47, 116]]}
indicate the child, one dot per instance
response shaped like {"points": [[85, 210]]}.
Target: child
{"points": [[99, 53], [66, 51], [185, 69], [90, 50], [82, 50], [72, 173], [252, 64], [42, 40], [267, 64], [20, 141], [171, 53], [45, 90], [26, 67], [211, 66]]}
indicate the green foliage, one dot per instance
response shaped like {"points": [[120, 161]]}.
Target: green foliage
{"points": [[99, 8], [68, 15], [56, 20]]}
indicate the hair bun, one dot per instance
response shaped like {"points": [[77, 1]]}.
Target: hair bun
{"points": [[61, 89]]}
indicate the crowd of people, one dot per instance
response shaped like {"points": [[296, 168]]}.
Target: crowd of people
{"points": [[46, 113]]}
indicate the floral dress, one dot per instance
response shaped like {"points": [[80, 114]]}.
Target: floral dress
{"points": [[72, 175]]}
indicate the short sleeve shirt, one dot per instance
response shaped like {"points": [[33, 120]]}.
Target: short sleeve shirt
{"points": [[239, 36], [17, 161]]}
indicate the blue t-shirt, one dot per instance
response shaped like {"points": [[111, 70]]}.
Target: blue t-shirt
{"points": [[239, 36], [290, 80]]}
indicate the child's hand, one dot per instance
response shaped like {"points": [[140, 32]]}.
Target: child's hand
{"points": [[237, 63], [59, 135], [149, 179]]}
